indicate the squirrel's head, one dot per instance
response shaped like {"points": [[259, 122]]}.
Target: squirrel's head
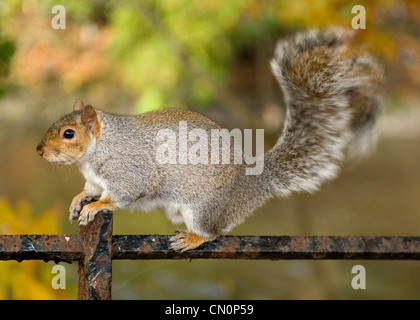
{"points": [[67, 140]]}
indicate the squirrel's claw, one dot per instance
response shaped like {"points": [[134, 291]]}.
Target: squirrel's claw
{"points": [[87, 215], [74, 212], [185, 240], [77, 205], [90, 210]]}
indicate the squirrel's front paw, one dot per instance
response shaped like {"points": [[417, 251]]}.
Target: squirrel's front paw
{"points": [[77, 205], [88, 214], [90, 210]]}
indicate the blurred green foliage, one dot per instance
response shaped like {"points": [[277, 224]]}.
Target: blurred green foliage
{"points": [[181, 53], [7, 49]]}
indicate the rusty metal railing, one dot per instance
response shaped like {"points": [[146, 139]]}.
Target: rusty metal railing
{"points": [[95, 248]]}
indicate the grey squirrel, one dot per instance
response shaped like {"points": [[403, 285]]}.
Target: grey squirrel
{"points": [[329, 90]]}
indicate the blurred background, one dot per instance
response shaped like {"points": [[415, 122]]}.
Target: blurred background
{"points": [[212, 57]]}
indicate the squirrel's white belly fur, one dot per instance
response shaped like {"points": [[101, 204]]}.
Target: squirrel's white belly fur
{"points": [[177, 213], [97, 185]]}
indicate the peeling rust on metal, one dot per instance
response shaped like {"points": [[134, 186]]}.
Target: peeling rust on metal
{"points": [[271, 247], [95, 268], [70, 247], [40, 247], [96, 247]]}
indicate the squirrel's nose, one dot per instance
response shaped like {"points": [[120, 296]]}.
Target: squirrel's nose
{"points": [[40, 149]]}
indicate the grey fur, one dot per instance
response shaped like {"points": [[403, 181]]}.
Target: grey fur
{"points": [[331, 105]]}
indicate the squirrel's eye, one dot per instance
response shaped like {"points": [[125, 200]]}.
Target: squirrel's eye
{"points": [[68, 134]]}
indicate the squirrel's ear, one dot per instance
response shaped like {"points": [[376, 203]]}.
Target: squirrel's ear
{"points": [[90, 118], [78, 105]]}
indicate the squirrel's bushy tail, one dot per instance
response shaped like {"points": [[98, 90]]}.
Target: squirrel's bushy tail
{"points": [[329, 90]]}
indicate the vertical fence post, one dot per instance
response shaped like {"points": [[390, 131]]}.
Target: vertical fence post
{"points": [[95, 268]]}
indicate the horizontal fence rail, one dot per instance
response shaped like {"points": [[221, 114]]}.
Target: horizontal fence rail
{"points": [[142, 247], [41, 247], [95, 248], [271, 248]]}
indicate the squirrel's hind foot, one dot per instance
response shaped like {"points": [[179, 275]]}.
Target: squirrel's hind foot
{"points": [[185, 240]]}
